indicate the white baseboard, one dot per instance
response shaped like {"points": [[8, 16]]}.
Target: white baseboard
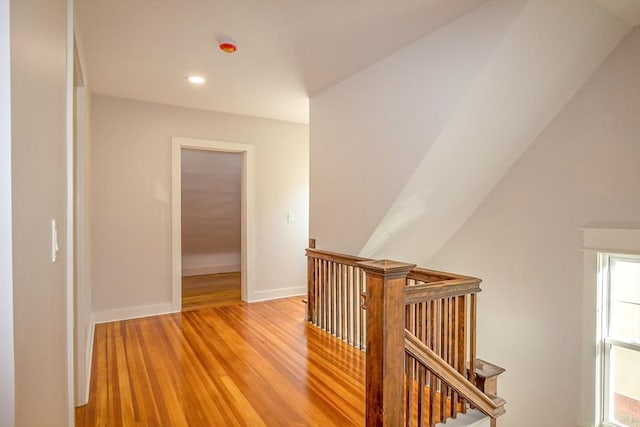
{"points": [[127, 313], [83, 398], [278, 293], [214, 269]]}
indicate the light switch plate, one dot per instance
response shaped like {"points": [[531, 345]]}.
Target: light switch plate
{"points": [[54, 240]]}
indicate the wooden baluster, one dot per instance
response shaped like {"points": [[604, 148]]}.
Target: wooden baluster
{"points": [[433, 399], [325, 291], [461, 342], [347, 302], [339, 318], [357, 302], [340, 303], [340, 310], [408, 393], [320, 301], [362, 313], [386, 281], [319, 293], [345, 306], [420, 397], [472, 339], [451, 350], [332, 298], [454, 353], [320, 283], [336, 298], [311, 284], [443, 355]]}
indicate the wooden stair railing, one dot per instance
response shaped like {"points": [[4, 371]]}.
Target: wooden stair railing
{"points": [[489, 405], [418, 331], [336, 284]]}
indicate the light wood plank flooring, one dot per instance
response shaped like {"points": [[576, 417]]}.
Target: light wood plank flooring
{"points": [[241, 365], [210, 290]]}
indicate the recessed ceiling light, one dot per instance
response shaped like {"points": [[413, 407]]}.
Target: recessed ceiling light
{"points": [[196, 80]]}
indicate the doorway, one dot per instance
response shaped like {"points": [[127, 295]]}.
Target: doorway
{"points": [[212, 222], [211, 209]]}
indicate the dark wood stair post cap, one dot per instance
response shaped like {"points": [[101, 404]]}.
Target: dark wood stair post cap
{"points": [[386, 268]]}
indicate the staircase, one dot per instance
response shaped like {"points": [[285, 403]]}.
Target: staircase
{"points": [[473, 418], [418, 329]]}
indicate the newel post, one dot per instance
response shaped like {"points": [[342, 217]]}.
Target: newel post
{"points": [[311, 284], [386, 281]]}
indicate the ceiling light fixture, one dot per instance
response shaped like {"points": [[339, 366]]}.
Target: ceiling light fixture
{"points": [[196, 80], [227, 46]]}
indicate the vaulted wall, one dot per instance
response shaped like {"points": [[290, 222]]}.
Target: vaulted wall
{"points": [[410, 146], [524, 241], [369, 132]]}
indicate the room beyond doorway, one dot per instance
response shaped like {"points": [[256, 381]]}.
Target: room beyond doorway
{"points": [[213, 227], [211, 200]]}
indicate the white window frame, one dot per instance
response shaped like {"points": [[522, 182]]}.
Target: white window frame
{"points": [[597, 241], [606, 261]]}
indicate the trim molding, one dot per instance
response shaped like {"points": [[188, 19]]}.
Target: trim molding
{"points": [[597, 240], [135, 312], [247, 234], [611, 240], [278, 293], [213, 269], [83, 396]]}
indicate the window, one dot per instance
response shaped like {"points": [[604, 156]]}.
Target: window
{"points": [[620, 339]]}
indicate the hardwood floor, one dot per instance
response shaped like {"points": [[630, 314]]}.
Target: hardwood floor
{"points": [[210, 290], [255, 364]]}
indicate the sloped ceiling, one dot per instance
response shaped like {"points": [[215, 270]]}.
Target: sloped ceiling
{"points": [[288, 49], [422, 136], [211, 202]]}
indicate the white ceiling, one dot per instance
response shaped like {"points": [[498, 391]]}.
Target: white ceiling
{"points": [[288, 49]]}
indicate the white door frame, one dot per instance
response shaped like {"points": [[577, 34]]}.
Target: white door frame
{"points": [[70, 220], [247, 212]]}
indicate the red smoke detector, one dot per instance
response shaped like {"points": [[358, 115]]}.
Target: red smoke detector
{"points": [[228, 47]]}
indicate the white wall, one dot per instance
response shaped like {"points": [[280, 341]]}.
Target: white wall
{"points": [[38, 131], [131, 198], [524, 240], [370, 131], [7, 377], [211, 263]]}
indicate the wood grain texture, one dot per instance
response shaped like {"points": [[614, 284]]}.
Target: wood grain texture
{"points": [[489, 405], [210, 290], [385, 342], [241, 365]]}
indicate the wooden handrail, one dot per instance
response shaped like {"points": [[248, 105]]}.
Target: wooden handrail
{"points": [[442, 289], [427, 275], [351, 260], [423, 354]]}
